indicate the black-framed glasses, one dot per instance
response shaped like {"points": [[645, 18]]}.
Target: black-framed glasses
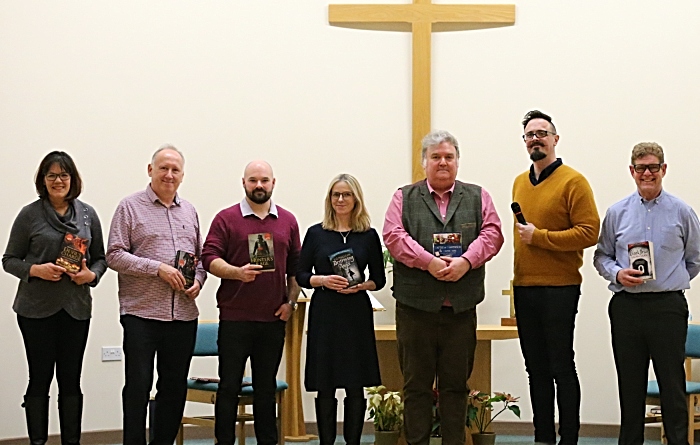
{"points": [[51, 177], [653, 168], [346, 195], [539, 133]]}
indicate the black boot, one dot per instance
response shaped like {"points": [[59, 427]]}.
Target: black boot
{"points": [[354, 419], [36, 409], [326, 420], [70, 414]]}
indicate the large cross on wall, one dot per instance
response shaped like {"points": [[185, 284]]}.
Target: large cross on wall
{"points": [[421, 18]]}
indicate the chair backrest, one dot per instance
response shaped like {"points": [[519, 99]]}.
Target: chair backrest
{"points": [[207, 340], [692, 341]]}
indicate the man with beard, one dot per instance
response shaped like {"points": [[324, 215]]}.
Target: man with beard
{"points": [[253, 306], [562, 220]]}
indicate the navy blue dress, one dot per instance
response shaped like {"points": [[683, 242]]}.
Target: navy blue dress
{"points": [[341, 351]]}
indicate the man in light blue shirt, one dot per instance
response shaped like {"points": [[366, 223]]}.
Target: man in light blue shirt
{"points": [[649, 318]]}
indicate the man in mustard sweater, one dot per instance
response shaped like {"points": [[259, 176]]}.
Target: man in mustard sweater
{"points": [[562, 220]]}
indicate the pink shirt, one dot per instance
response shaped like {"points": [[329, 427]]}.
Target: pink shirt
{"points": [[409, 252], [143, 234]]}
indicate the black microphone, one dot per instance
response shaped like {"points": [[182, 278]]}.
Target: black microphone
{"points": [[518, 213]]}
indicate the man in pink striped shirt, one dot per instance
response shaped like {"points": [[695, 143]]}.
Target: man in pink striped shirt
{"points": [[441, 232], [158, 313]]}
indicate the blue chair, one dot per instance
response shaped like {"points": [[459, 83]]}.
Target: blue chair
{"points": [[205, 392], [692, 389]]}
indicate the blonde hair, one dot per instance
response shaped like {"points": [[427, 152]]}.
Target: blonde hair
{"points": [[359, 219]]}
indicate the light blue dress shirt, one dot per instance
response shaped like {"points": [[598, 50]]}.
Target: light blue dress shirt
{"points": [[669, 223]]}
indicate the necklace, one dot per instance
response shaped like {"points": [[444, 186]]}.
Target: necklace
{"points": [[345, 237]]}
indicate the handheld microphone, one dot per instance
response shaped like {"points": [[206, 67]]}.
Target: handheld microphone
{"points": [[518, 213]]}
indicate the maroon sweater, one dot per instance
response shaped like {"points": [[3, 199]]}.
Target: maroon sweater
{"points": [[257, 300]]}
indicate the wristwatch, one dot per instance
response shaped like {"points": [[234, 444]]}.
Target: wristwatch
{"points": [[293, 304]]}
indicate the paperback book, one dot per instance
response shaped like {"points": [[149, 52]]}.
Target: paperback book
{"points": [[642, 259], [262, 251], [72, 253], [186, 263], [345, 265], [447, 244]]}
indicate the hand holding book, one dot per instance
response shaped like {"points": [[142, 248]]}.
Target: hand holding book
{"points": [[83, 276]]}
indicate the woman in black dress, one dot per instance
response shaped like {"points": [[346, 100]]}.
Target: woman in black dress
{"points": [[53, 303], [341, 350]]}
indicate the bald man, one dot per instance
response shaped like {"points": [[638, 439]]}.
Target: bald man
{"points": [[255, 299]]}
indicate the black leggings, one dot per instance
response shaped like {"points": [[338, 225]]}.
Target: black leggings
{"points": [[351, 393], [57, 341]]}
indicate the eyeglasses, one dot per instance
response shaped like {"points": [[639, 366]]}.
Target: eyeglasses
{"points": [[539, 133], [51, 177], [346, 195], [653, 168]]}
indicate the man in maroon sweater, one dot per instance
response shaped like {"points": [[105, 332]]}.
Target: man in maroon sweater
{"points": [[253, 305]]}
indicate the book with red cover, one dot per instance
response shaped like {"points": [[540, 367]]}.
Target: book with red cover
{"points": [[72, 253]]}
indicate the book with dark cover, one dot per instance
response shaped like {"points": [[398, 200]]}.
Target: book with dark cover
{"points": [[72, 253], [186, 263], [642, 259], [262, 251], [345, 265], [447, 244]]}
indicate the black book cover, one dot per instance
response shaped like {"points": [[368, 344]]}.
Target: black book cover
{"points": [[186, 263], [345, 265], [72, 253], [262, 251]]}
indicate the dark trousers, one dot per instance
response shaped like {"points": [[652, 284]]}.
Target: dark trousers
{"points": [[546, 317], [56, 342], [650, 325], [173, 343], [435, 344], [263, 343]]}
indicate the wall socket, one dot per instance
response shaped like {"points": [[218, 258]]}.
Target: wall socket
{"points": [[111, 354]]}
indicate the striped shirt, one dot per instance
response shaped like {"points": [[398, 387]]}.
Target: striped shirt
{"points": [[145, 233]]}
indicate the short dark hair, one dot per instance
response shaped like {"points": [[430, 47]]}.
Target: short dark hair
{"points": [[66, 163], [537, 114]]}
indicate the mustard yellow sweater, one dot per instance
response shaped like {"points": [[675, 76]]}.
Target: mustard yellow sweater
{"points": [[564, 211]]}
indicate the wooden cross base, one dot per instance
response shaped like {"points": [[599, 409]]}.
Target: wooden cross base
{"points": [[509, 321]]}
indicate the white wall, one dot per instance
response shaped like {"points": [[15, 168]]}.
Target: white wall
{"points": [[229, 81]]}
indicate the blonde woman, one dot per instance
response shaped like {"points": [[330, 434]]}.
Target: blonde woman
{"points": [[341, 350]]}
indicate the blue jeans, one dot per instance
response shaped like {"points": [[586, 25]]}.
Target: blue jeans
{"points": [[546, 317]]}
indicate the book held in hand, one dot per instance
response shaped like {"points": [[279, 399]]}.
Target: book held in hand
{"points": [[447, 244], [345, 265], [72, 253], [262, 251], [186, 263], [642, 259]]}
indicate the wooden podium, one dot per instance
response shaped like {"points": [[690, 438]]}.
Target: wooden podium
{"points": [[293, 411]]}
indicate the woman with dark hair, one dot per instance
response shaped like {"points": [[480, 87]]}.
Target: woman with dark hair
{"points": [[53, 304], [341, 350]]}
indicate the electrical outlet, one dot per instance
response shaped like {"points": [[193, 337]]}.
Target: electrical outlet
{"points": [[111, 354]]}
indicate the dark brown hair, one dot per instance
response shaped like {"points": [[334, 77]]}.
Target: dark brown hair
{"points": [[537, 114], [66, 163]]}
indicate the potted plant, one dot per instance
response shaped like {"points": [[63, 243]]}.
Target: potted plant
{"points": [[385, 409], [479, 408]]}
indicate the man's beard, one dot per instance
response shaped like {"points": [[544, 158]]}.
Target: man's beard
{"points": [[259, 196], [537, 155]]}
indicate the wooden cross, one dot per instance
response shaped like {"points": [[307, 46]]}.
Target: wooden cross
{"points": [[421, 18]]}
